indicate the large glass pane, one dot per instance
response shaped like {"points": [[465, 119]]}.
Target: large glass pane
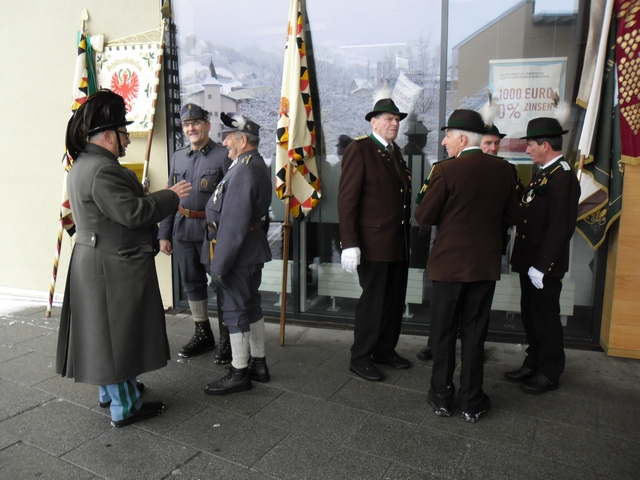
{"points": [[523, 52]]}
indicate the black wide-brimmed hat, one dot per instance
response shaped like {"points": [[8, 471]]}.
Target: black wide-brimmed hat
{"points": [[493, 130], [467, 120], [385, 105], [191, 111], [544, 127], [104, 110], [234, 122]]}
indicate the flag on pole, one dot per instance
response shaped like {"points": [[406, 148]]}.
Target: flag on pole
{"points": [[601, 182], [83, 86], [296, 133]]}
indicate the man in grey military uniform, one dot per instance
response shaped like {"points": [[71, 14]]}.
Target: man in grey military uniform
{"points": [[203, 164], [237, 248]]}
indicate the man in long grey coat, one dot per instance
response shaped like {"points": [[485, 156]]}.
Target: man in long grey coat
{"points": [[112, 326]]}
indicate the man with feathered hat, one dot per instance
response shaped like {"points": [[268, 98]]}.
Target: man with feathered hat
{"points": [[112, 325], [470, 197], [374, 211], [548, 215], [236, 250]]}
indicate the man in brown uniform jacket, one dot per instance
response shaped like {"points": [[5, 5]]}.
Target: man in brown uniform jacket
{"points": [[540, 255], [374, 211], [470, 197]]}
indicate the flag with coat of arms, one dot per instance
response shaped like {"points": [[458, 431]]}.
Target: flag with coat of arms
{"points": [[296, 134]]}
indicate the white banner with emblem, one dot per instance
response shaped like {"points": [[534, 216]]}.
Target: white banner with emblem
{"points": [[128, 67]]}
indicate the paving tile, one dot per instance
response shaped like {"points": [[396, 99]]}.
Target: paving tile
{"points": [[551, 406], [57, 426], [326, 338], [70, 390], [417, 378], [619, 422], [244, 404], [19, 331], [374, 397], [583, 449], [227, 435], [298, 378], [497, 427], [204, 466], [24, 461], [311, 418], [47, 344], [291, 332], [299, 457], [175, 377], [486, 462], [7, 439], [17, 398], [29, 369], [130, 453], [8, 352], [312, 355], [177, 410], [402, 472], [422, 448]]}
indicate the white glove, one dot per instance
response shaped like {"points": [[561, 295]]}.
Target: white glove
{"points": [[536, 277], [350, 259]]}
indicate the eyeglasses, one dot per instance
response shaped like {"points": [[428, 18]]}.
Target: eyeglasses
{"points": [[127, 134], [195, 123]]}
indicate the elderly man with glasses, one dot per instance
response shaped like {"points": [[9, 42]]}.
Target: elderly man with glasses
{"points": [[202, 164]]}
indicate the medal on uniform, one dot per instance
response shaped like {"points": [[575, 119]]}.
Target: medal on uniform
{"points": [[204, 183], [218, 192]]}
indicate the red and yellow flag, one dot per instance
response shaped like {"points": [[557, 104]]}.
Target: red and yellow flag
{"points": [[296, 133]]}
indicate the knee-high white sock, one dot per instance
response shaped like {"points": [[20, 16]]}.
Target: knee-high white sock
{"points": [[239, 349], [199, 310], [256, 339]]}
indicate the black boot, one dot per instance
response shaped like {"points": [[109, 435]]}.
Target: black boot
{"points": [[223, 352], [237, 380], [201, 341], [258, 370]]}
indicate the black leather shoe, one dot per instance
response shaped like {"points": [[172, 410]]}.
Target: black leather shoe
{"points": [[222, 354], [201, 342], [258, 370], [148, 410], [474, 415], [520, 375], [394, 360], [237, 380], [441, 405], [539, 383], [369, 373], [140, 386], [425, 354]]}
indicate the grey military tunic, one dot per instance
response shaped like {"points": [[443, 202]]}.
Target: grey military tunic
{"points": [[112, 326], [239, 202], [202, 168]]}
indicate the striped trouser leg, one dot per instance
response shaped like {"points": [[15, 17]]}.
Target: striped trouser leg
{"points": [[125, 398]]}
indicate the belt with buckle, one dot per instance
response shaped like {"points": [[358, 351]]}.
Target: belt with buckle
{"points": [[191, 213]]}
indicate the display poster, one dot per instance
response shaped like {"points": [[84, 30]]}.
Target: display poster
{"points": [[524, 89]]}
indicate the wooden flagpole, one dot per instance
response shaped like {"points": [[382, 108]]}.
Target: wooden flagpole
{"points": [[156, 87], [286, 233]]}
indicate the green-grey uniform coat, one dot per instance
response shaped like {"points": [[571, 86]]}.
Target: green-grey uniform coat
{"points": [[112, 326]]}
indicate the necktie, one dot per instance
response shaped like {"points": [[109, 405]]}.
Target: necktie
{"points": [[396, 163]]}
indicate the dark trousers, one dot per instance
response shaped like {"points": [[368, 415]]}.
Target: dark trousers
{"points": [[240, 301], [468, 306], [379, 310], [540, 310], [192, 272]]}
